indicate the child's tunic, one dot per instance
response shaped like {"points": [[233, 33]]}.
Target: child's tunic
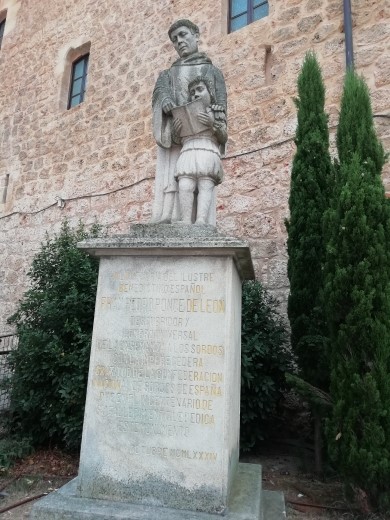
{"points": [[200, 156]]}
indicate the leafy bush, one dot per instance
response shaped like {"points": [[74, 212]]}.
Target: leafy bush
{"points": [[265, 358], [12, 449], [54, 325]]}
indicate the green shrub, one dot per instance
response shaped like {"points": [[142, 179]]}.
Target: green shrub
{"points": [[265, 358], [12, 449], [54, 325]]}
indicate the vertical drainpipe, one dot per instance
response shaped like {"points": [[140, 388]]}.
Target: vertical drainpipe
{"points": [[348, 34]]}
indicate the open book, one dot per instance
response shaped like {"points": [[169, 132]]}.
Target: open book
{"points": [[188, 115]]}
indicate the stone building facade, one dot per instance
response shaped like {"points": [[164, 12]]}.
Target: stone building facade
{"points": [[97, 160]]}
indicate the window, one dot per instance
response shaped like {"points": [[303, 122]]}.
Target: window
{"points": [[244, 12], [2, 27], [5, 188], [79, 81]]}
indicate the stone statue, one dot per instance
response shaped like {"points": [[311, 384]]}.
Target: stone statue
{"points": [[188, 163]]}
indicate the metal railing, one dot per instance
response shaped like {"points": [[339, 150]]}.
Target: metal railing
{"points": [[8, 342]]}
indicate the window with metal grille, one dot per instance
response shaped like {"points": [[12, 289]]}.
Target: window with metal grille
{"points": [[2, 27], [244, 12], [79, 81]]}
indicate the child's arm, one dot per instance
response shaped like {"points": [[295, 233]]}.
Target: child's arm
{"points": [[218, 126]]}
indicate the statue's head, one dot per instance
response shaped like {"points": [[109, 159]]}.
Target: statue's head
{"points": [[185, 37], [202, 88]]}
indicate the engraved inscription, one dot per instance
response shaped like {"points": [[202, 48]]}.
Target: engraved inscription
{"points": [[204, 305], [161, 375], [175, 453]]}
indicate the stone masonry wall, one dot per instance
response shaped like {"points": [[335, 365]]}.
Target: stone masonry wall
{"points": [[99, 157]]}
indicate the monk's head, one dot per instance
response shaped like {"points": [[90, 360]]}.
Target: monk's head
{"points": [[185, 37]]}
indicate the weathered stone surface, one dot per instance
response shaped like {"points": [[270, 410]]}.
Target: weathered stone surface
{"points": [[161, 425], [323, 32], [189, 126], [383, 75], [273, 506], [247, 503], [260, 224], [283, 34], [174, 240], [309, 23], [287, 15]]}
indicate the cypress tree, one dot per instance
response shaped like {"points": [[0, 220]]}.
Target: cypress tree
{"points": [[309, 198], [357, 293]]}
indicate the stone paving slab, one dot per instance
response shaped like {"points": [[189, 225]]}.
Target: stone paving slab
{"points": [[273, 505]]}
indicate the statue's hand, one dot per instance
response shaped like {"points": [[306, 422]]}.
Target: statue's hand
{"points": [[219, 113], [206, 118], [177, 125], [167, 106], [218, 108]]}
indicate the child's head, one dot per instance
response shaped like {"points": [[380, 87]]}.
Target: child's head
{"points": [[201, 88]]}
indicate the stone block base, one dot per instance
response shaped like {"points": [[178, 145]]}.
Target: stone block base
{"points": [[247, 502]]}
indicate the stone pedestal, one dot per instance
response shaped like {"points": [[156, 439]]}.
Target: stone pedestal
{"points": [[161, 426]]}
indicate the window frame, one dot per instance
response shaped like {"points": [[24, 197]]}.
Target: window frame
{"points": [[250, 9], [2, 29], [84, 58]]}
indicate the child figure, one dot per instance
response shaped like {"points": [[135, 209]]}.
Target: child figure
{"points": [[199, 164]]}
